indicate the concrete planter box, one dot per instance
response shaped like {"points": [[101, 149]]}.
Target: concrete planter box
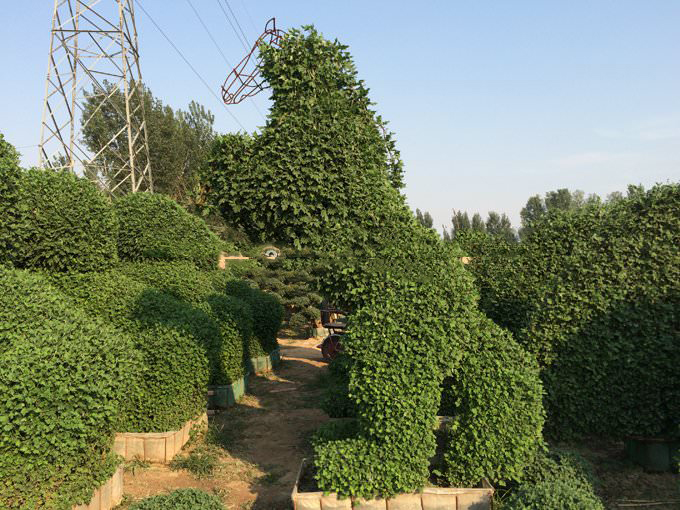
{"points": [[264, 364], [154, 446], [108, 495], [221, 397], [431, 498], [653, 454]]}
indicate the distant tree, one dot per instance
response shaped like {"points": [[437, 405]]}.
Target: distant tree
{"points": [[425, 219], [460, 221], [614, 196], [179, 141], [499, 225], [561, 199], [478, 224]]}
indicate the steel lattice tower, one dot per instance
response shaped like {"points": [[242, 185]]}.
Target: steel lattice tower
{"points": [[94, 57]]}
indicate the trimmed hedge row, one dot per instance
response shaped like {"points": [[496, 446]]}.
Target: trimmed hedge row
{"points": [[155, 227], [9, 194], [172, 340], [63, 379]]}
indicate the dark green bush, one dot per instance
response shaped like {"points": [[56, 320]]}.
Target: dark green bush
{"points": [[605, 321], [172, 338], [63, 378], [10, 175], [267, 313], [496, 396], [336, 402], [557, 480], [155, 227], [182, 499], [64, 224]]}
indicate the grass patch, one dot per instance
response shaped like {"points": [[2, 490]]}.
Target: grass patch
{"points": [[202, 462]]}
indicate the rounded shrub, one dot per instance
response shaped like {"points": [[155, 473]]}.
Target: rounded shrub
{"points": [[495, 398], [155, 227], [174, 340], [182, 499], [64, 377], [267, 313], [65, 224]]}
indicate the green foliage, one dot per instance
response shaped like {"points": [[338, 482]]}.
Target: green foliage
{"points": [[64, 224], [10, 175], [267, 314], [556, 481], [179, 141], [171, 337], [311, 168], [292, 287], [496, 394], [182, 499], [155, 227], [63, 379], [200, 462], [336, 402]]}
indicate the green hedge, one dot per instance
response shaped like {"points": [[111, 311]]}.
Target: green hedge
{"points": [[64, 224], [182, 499], [174, 340], [155, 227], [556, 481], [10, 175], [64, 375], [495, 396], [606, 320], [267, 313]]}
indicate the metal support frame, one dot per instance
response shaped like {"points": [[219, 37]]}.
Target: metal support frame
{"points": [[94, 56], [245, 81]]}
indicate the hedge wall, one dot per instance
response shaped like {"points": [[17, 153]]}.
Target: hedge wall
{"points": [[63, 379], [9, 194], [173, 339], [267, 313], [64, 224], [155, 227], [495, 396]]}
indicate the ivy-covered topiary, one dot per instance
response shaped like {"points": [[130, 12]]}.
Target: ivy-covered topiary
{"points": [[64, 224], [181, 499], [311, 168], [267, 313], [155, 227], [173, 339], [495, 399], [62, 384], [10, 175]]}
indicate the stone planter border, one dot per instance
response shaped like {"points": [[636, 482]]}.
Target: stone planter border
{"points": [[154, 446], [108, 495], [431, 498]]}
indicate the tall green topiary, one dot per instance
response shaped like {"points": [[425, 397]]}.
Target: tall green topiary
{"points": [[155, 227], [64, 224], [495, 399], [9, 194], [312, 166], [63, 379]]}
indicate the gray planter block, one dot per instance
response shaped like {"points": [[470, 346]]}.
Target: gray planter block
{"points": [[108, 495]]}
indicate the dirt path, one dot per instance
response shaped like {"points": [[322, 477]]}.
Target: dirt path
{"points": [[257, 445]]}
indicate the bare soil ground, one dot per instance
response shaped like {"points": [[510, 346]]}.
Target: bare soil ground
{"points": [[256, 446]]}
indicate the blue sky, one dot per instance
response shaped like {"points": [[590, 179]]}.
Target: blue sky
{"points": [[491, 101]]}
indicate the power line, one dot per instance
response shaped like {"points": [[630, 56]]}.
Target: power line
{"points": [[186, 61], [236, 19], [238, 36], [250, 18], [205, 27]]}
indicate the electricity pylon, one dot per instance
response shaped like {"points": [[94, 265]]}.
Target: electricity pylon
{"points": [[93, 76]]}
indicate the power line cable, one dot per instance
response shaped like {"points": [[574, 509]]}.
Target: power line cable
{"points": [[252, 22], [205, 27], [238, 36], [186, 61], [236, 19]]}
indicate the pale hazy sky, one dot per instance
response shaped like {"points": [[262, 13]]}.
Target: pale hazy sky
{"points": [[491, 101]]}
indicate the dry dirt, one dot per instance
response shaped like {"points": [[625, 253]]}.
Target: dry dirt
{"points": [[262, 439]]}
